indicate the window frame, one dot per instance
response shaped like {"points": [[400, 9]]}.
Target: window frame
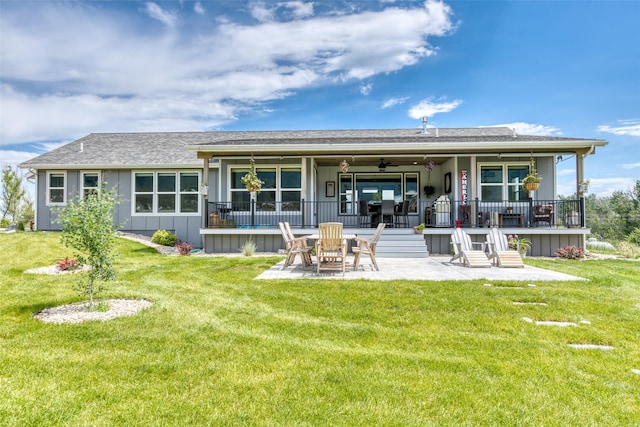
{"points": [[348, 200], [82, 186], [63, 188], [177, 193], [277, 191], [505, 185]]}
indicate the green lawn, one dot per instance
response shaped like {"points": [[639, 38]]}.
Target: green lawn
{"points": [[219, 348]]}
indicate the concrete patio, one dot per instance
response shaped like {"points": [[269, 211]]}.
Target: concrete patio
{"points": [[432, 268]]}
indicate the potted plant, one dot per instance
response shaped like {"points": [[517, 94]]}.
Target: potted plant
{"points": [[251, 180], [521, 245], [418, 228], [531, 182]]}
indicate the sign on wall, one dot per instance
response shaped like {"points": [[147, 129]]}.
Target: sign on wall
{"points": [[464, 186]]}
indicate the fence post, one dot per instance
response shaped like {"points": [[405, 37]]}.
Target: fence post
{"points": [[582, 212], [304, 213], [529, 222]]}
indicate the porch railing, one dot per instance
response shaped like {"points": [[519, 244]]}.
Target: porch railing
{"points": [[474, 213]]}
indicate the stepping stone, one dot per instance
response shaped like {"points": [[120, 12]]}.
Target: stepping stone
{"points": [[591, 346], [636, 371], [531, 285], [554, 323], [585, 322], [529, 303]]}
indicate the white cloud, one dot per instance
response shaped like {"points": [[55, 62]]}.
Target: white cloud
{"points": [[156, 12], [523, 128], [131, 78], [626, 127], [630, 165], [392, 102], [606, 186], [431, 106], [567, 172], [365, 89], [197, 8]]}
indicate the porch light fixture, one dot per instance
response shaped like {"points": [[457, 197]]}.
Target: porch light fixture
{"points": [[344, 166]]}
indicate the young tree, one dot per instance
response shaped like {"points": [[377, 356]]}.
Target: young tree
{"points": [[13, 193], [87, 226]]}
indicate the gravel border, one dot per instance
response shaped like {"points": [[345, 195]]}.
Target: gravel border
{"points": [[79, 312]]}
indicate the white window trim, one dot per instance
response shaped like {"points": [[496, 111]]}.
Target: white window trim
{"points": [[64, 188], [83, 173], [278, 190], [155, 193], [504, 185]]}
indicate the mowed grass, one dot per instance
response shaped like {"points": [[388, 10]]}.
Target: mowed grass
{"points": [[220, 348]]}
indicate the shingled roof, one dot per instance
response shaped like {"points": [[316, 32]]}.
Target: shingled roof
{"points": [[179, 149]]}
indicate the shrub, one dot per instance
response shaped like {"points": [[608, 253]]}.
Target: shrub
{"points": [[20, 226], [164, 238], [249, 248], [628, 250], [4, 223], [67, 264], [184, 248], [634, 236], [570, 252]]}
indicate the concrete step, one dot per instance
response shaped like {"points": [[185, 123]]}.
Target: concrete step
{"points": [[398, 243]]}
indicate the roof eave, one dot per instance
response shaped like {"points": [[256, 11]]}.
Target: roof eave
{"points": [[422, 147]]}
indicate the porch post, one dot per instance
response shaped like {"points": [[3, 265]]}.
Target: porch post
{"points": [[579, 172], [473, 196], [579, 178], [205, 198]]}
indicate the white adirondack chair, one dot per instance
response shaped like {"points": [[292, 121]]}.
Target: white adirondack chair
{"points": [[464, 251], [499, 251]]}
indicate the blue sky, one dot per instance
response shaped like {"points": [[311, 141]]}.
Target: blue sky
{"points": [[560, 68]]}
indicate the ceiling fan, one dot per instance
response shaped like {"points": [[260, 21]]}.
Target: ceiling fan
{"points": [[383, 165]]}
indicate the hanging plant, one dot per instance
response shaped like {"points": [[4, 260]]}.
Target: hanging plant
{"points": [[251, 180], [531, 182], [429, 190]]}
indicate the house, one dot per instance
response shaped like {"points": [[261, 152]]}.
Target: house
{"points": [[190, 183]]}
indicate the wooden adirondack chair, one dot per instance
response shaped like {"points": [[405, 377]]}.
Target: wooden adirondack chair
{"points": [[367, 247], [464, 250], [499, 251], [294, 246], [331, 248]]}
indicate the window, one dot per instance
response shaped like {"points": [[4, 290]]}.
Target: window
{"points": [[376, 187], [166, 192], [282, 189], [90, 183], [56, 194], [503, 183]]}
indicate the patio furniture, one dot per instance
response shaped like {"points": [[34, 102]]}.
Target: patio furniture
{"points": [[387, 212], [519, 217], [464, 250], [364, 217], [294, 246], [499, 252], [331, 247], [542, 213], [402, 214], [367, 247]]}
